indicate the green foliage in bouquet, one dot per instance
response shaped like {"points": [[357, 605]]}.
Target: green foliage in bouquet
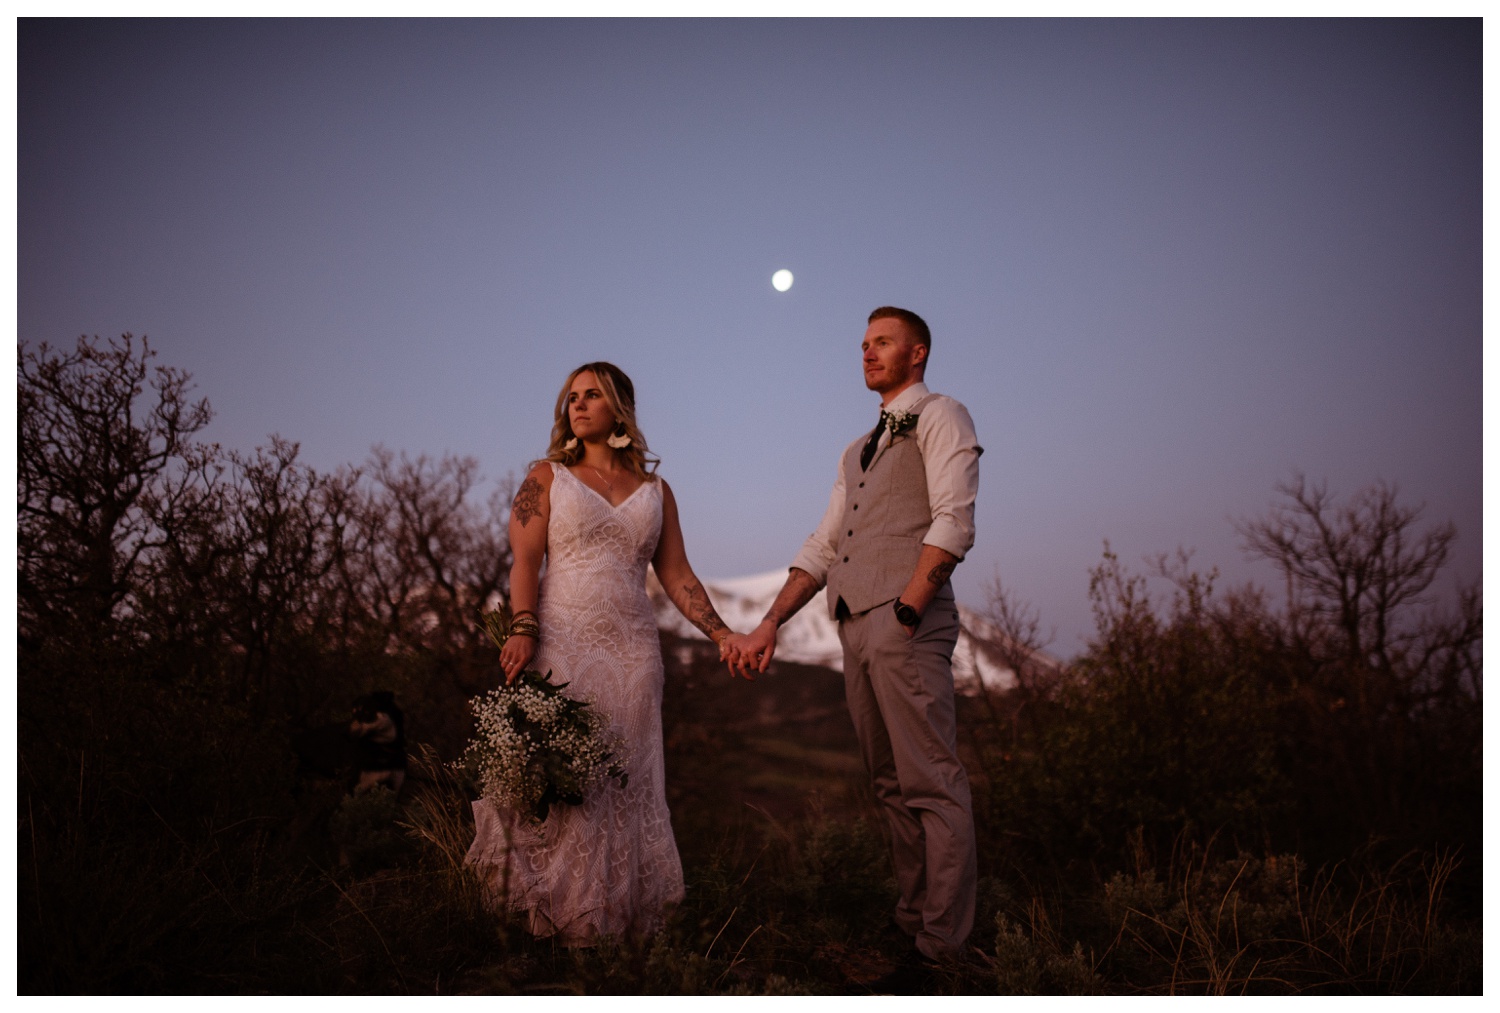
{"points": [[536, 747]]}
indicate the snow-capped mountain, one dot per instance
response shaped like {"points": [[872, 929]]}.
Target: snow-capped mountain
{"points": [[811, 637]]}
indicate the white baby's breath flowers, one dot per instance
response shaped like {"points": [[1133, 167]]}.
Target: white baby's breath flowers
{"points": [[899, 422], [533, 746]]}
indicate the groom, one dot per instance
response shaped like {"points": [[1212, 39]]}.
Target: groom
{"points": [[900, 518]]}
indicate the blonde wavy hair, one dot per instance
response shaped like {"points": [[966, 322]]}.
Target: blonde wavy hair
{"points": [[619, 394]]}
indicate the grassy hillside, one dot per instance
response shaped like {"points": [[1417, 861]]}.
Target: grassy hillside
{"points": [[789, 885]]}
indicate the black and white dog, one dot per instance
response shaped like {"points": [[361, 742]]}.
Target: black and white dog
{"points": [[379, 733], [369, 750]]}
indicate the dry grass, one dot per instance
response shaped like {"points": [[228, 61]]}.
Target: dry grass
{"points": [[796, 907], [1245, 925]]}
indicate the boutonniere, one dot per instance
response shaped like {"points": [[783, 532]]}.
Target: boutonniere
{"points": [[900, 423]]}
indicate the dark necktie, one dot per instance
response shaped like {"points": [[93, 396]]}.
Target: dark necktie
{"points": [[868, 453]]}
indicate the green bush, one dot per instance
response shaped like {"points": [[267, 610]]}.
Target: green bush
{"points": [[1167, 722]]}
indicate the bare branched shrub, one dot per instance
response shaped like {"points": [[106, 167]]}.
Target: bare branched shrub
{"points": [[1387, 683], [89, 448], [421, 558], [1021, 644], [1357, 570]]}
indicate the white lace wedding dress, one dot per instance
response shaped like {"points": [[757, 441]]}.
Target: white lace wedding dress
{"points": [[609, 866]]}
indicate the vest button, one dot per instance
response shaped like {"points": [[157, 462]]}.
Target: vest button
{"points": [[861, 485], [856, 506], [851, 534], [846, 559]]}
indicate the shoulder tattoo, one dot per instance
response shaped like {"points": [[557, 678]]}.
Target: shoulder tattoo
{"points": [[528, 501]]}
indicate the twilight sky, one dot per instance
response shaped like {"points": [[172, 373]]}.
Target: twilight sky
{"points": [[1166, 263]]}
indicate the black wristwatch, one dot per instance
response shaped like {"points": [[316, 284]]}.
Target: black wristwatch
{"points": [[906, 615]]}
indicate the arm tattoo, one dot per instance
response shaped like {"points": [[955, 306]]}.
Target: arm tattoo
{"points": [[799, 589], [700, 611], [940, 573], [528, 501]]}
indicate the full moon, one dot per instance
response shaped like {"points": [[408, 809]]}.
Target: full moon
{"points": [[781, 280]]}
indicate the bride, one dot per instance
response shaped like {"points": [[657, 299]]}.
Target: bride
{"points": [[598, 514]]}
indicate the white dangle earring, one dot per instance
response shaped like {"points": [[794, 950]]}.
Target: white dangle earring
{"points": [[619, 440], [572, 443]]}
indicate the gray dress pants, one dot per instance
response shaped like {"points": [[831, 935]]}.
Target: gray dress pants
{"points": [[900, 693]]}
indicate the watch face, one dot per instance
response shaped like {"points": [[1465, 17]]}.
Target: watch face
{"points": [[905, 614]]}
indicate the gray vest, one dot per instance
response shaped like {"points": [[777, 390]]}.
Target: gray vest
{"points": [[886, 516]]}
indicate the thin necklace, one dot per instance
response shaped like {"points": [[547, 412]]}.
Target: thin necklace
{"points": [[608, 485]]}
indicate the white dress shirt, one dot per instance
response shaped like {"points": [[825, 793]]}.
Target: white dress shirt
{"points": [[950, 456]]}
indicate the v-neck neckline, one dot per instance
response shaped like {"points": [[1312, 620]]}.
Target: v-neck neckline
{"points": [[602, 498]]}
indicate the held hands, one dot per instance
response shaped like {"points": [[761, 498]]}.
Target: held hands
{"points": [[758, 646], [747, 653], [732, 653]]}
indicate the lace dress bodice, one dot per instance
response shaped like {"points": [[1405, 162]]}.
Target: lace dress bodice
{"points": [[610, 865], [594, 589]]}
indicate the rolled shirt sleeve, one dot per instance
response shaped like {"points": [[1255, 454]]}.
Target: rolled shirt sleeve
{"points": [[816, 554], [950, 457]]}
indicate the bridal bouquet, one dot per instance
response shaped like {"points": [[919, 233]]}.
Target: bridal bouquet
{"points": [[534, 747]]}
